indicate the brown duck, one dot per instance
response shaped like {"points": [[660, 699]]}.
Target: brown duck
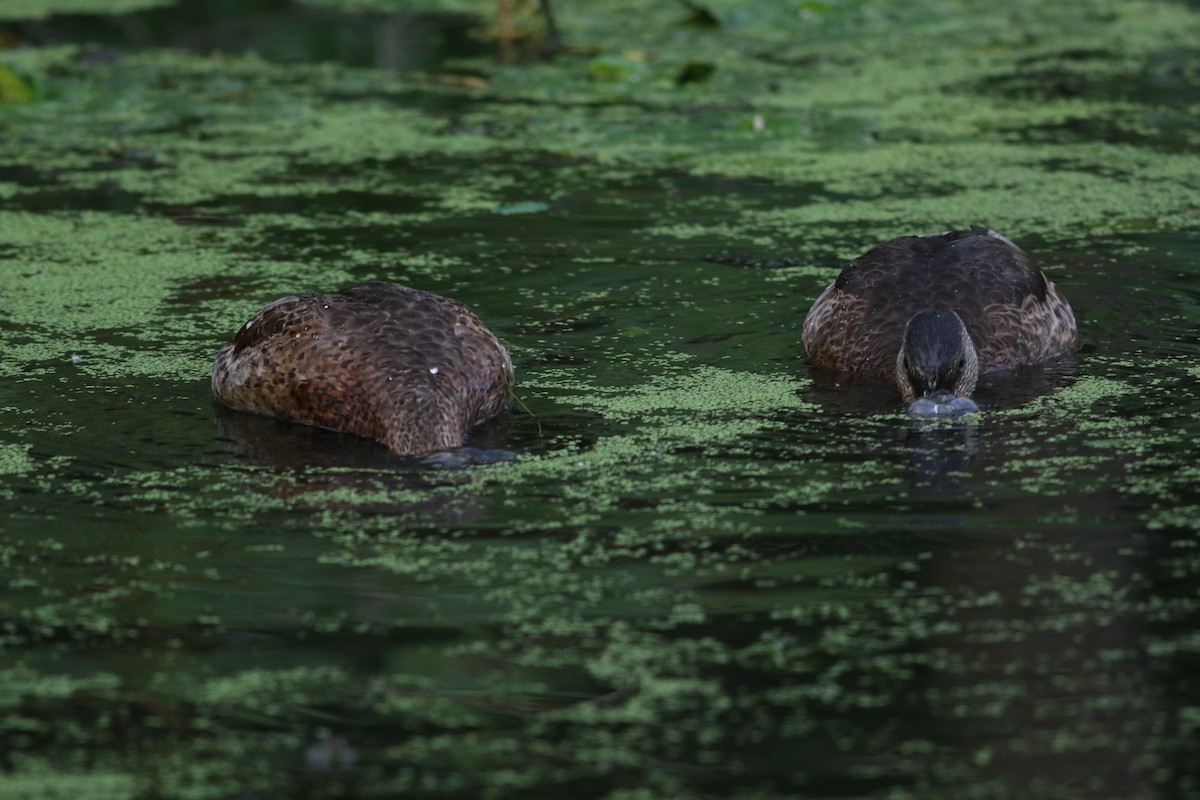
{"points": [[931, 313], [407, 368]]}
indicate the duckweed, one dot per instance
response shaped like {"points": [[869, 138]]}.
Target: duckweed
{"points": [[707, 571]]}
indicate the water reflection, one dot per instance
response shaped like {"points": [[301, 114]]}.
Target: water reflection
{"points": [[321, 469], [264, 441], [941, 451]]}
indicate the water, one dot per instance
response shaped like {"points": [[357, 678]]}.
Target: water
{"points": [[708, 572]]}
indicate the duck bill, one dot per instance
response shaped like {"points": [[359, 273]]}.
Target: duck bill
{"points": [[941, 404]]}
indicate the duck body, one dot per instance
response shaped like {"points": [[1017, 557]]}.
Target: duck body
{"points": [[407, 368], [931, 313]]}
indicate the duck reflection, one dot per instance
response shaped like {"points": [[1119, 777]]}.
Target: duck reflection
{"points": [[270, 442]]}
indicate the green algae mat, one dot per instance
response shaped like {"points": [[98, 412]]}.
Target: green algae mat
{"points": [[707, 572]]}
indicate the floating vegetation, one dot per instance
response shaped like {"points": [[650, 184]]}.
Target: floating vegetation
{"points": [[690, 567]]}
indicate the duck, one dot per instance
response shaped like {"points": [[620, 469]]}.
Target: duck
{"points": [[407, 368], [931, 313]]}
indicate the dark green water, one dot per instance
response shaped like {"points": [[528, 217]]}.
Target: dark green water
{"points": [[707, 573]]}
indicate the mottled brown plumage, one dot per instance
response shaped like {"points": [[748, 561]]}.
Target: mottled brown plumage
{"points": [[1012, 313], [405, 367]]}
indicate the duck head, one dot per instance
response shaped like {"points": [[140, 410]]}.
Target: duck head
{"points": [[936, 368]]}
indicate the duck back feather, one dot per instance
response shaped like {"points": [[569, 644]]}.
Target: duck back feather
{"points": [[408, 368], [1012, 312]]}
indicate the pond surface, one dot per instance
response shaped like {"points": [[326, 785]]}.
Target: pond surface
{"points": [[708, 572]]}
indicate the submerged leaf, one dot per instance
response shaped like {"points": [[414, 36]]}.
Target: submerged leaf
{"points": [[616, 68], [13, 88]]}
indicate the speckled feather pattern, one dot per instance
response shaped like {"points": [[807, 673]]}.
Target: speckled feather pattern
{"points": [[408, 368], [1013, 313]]}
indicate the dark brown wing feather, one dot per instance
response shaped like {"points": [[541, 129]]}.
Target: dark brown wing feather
{"points": [[408, 368], [1013, 313]]}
